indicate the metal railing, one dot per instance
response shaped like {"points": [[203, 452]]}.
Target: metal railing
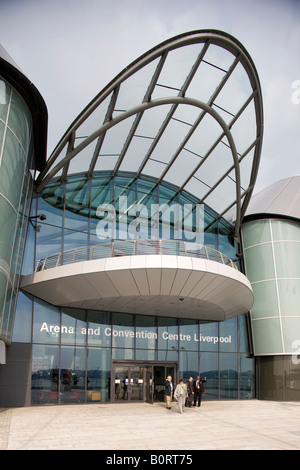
{"points": [[132, 248]]}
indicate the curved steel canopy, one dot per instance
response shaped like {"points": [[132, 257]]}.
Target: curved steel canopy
{"points": [[205, 135]]}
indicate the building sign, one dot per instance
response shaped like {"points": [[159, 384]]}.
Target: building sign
{"points": [[109, 331]]}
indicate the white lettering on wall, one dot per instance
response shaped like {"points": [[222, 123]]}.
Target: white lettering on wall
{"points": [[125, 333]]}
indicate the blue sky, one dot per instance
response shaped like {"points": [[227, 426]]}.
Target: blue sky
{"points": [[70, 49]]}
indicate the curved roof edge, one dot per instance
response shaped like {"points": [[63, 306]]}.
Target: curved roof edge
{"points": [[279, 199], [34, 100]]}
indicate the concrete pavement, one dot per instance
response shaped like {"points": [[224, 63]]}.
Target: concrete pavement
{"points": [[216, 425]]}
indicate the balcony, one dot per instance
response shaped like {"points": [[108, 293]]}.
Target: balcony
{"points": [[150, 277]]}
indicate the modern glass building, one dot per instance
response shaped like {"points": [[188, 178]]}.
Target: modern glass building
{"points": [[127, 262]]}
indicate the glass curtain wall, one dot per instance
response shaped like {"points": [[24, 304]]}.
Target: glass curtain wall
{"points": [[82, 213], [17, 159], [73, 350]]}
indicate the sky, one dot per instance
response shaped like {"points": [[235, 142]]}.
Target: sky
{"points": [[70, 49]]}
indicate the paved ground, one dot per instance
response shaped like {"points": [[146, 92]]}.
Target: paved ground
{"points": [[216, 425]]}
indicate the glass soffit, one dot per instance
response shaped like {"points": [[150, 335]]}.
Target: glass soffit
{"points": [[188, 112]]}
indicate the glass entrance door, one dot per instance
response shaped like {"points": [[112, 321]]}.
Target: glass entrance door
{"points": [[129, 383], [140, 382]]}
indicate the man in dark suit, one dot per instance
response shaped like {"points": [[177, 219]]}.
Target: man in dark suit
{"points": [[169, 392], [198, 390]]}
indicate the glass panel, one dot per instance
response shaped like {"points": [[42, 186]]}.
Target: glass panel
{"points": [[46, 323], [12, 169], [44, 379], [73, 326], [136, 382], [287, 256], [52, 204], [98, 374], [23, 319], [123, 330], [19, 120], [133, 89], [115, 138], [77, 205], [28, 258], [145, 355], [72, 374], [121, 383], [243, 334], [244, 129], [209, 368], [256, 232], [228, 376], [265, 300], [228, 335], [48, 241], [205, 82], [289, 296], [126, 354], [188, 333], [203, 138], [267, 336], [188, 364], [102, 194], [285, 230], [99, 328], [146, 332], [4, 99], [171, 356], [259, 262], [226, 241], [73, 240], [167, 334], [291, 336], [247, 377], [209, 334], [236, 91]]}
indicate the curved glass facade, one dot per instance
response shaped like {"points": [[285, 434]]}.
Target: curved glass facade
{"points": [[75, 352], [77, 214], [16, 183], [272, 261]]}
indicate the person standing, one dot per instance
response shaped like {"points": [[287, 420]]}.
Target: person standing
{"points": [[169, 392], [198, 390], [180, 395], [190, 393]]}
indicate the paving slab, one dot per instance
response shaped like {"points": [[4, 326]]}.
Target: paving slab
{"points": [[216, 425]]}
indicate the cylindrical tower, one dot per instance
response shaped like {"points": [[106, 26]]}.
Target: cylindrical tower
{"points": [[271, 243]]}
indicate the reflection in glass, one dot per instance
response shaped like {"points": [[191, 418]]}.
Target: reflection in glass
{"points": [[188, 364], [23, 319], [72, 374], [98, 374], [209, 368], [46, 324], [44, 379], [73, 326], [228, 376]]}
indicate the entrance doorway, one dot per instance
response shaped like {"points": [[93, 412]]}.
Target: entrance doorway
{"points": [[141, 381]]}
